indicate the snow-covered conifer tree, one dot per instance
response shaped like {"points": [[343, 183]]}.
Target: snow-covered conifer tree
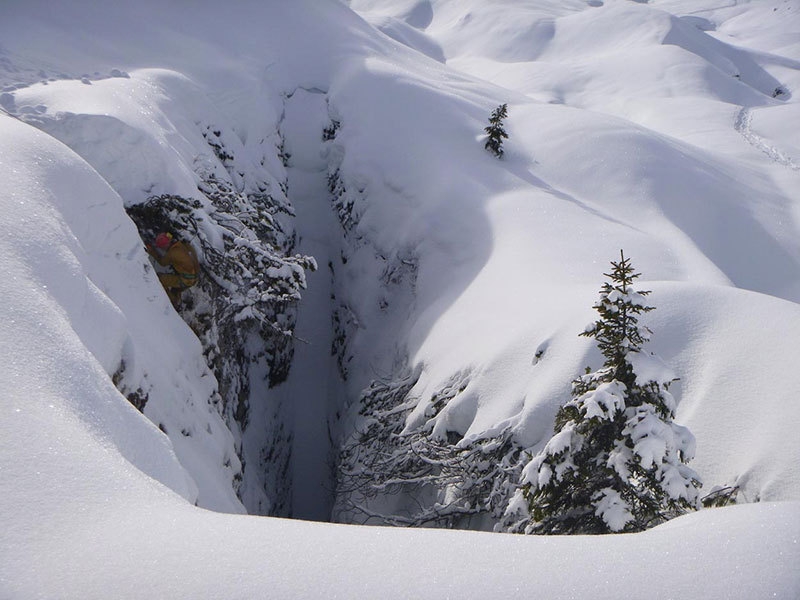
{"points": [[616, 462], [496, 131]]}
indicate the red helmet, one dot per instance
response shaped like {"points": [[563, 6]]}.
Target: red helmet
{"points": [[163, 240]]}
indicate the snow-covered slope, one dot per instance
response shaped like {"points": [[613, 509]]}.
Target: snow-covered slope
{"points": [[665, 128], [635, 132], [79, 304]]}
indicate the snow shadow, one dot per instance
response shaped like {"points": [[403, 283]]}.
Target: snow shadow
{"points": [[690, 34], [421, 15], [413, 182]]}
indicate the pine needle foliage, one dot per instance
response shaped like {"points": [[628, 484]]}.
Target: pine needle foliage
{"points": [[616, 462], [496, 131]]}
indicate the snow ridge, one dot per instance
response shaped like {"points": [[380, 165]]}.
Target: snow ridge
{"points": [[457, 286]]}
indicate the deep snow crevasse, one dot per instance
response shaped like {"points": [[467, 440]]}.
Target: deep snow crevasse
{"points": [[311, 387]]}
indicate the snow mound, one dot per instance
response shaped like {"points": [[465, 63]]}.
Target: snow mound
{"points": [[82, 305], [631, 125]]}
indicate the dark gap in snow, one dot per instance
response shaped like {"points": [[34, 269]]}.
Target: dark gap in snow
{"points": [[312, 392]]}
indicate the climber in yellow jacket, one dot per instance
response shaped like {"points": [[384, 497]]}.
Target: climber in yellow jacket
{"points": [[181, 258]]}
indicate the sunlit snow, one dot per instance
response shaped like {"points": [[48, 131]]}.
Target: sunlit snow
{"points": [[665, 128]]}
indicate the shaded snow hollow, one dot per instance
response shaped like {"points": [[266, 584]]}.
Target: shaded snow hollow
{"points": [[661, 128]]}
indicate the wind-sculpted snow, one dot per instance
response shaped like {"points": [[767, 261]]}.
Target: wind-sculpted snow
{"points": [[663, 174], [458, 285], [79, 302], [154, 133]]}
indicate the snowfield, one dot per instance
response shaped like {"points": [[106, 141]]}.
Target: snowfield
{"points": [[666, 128]]}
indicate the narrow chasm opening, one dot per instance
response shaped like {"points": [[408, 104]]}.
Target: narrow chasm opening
{"points": [[312, 392], [260, 307]]}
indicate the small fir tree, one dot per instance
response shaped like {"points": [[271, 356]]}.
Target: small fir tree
{"points": [[496, 132], [617, 461]]}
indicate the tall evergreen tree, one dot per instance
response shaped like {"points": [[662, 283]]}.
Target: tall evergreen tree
{"points": [[617, 460], [496, 131]]}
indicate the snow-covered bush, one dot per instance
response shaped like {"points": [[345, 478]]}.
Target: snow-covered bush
{"points": [[394, 474], [721, 496], [243, 308], [617, 460], [344, 203]]}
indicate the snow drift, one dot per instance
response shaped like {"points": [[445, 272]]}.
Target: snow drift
{"points": [[659, 128]]}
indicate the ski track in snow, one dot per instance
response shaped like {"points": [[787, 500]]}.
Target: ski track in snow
{"points": [[743, 124]]}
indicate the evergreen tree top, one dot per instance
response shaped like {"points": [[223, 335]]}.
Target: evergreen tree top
{"points": [[499, 113], [617, 331], [616, 461]]}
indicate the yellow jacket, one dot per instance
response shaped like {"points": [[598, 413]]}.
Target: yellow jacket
{"points": [[183, 259]]}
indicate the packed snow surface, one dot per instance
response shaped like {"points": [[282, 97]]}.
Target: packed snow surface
{"points": [[667, 128]]}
